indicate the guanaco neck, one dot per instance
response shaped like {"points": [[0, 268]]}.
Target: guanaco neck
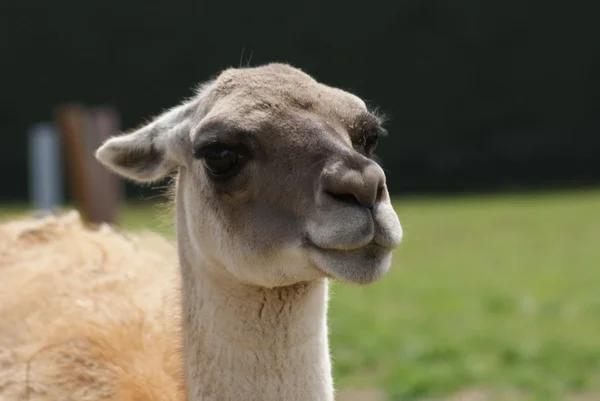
{"points": [[249, 343]]}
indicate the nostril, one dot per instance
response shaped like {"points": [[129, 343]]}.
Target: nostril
{"points": [[379, 194], [345, 198], [352, 187]]}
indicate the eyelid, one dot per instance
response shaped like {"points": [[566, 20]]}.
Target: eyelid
{"points": [[210, 143], [206, 147], [241, 142]]}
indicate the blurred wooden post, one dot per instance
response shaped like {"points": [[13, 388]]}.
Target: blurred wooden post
{"points": [[107, 189], [71, 122], [95, 191]]}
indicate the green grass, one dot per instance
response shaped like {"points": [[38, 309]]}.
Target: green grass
{"points": [[493, 292], [500, 292]]}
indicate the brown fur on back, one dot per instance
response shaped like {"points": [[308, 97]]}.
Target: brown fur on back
{"points": [[87, 314]]}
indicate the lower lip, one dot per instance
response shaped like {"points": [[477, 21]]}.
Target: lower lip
{"points": [[372, 244]]}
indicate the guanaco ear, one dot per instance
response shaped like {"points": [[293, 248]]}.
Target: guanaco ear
{"points": [[148, 153]]}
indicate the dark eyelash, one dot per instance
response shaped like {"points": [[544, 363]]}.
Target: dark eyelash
{"points": [[382, 132]]}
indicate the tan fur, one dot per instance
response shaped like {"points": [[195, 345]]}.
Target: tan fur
{"points": [[306, 203], [91, 321]]}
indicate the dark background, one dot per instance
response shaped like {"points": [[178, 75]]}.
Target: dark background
{"points": [[481, 95]]}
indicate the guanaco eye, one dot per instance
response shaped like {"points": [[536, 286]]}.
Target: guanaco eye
{"points": [[370, 141], [219, 160]]}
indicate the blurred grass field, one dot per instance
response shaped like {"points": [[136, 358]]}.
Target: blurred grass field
{"points": [[498, 296]]}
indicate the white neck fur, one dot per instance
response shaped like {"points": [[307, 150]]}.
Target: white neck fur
{"points": [[251, 343]]}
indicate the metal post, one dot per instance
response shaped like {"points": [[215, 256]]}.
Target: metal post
{"points": [[45, 168]]}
